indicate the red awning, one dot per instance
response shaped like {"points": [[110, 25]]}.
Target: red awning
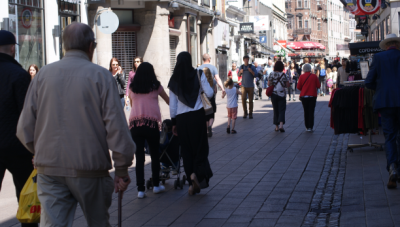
{"points": [[305, 45]]}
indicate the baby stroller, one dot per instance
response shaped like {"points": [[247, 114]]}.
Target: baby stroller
{"points": [[170, 157]]}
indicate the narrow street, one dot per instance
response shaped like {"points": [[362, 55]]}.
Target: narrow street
{"points": [[265, 178]]}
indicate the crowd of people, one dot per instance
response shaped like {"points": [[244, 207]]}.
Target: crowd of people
{"points": [[71, 129]]}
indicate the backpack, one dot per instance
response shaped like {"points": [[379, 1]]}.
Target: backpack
{"points": [[323, 72]]}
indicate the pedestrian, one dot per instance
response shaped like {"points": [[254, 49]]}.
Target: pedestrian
{"points": [[15, 81], [231, 105], [259, 81], [214, 72], [342, 75], [329, 80], [33, 70], [145, 123], [119, 76], [320, 71], [334, 77], [383, 77], [308, 84], [293, 76], [188, 117], [306, 61], [136, 62], [70, 121], [210, 117], [234, 75], [269, 68], [280, 81], [248, 73]]}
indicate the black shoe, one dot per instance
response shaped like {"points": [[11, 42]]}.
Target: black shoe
{"points": [[250, 116], [393, 176], [245, 116], [228, 130]]}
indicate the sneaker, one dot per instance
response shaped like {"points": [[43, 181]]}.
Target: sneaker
{"points": [[158, 189], [247, 101], [245, 116], [141, 195], [256, 99], [250, 116], [290, 99], [294, 99]]}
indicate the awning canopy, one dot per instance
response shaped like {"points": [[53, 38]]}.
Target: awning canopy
{"points": [[305, 45], [364, 48]]}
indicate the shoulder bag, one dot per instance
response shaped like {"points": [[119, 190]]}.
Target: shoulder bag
{"points": [[206, 102], [270, 89], [301, 98]]}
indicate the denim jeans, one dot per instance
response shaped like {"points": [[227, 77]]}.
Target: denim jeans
{"points": [[123, 102], [322, 80], [391, 127], [292, 90]]}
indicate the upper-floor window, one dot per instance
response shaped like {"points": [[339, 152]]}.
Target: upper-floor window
{"points": [[319, 24], [305, 23], [305, 3], [300, 23], [299, 5]]}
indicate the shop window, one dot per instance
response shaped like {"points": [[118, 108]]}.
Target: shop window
{"points": [[27, 23], [68, 6], [125, 17], [193, 39]]}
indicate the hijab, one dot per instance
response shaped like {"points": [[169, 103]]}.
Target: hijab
{"points": [[184, 82]]}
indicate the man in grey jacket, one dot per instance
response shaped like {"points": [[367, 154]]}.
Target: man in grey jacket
{"points": [[72, 117]]}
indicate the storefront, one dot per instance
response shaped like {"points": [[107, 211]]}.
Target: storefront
{"points": [[26, 22]]}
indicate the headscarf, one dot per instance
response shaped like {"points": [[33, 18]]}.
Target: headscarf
{"points": [[184, 82]]}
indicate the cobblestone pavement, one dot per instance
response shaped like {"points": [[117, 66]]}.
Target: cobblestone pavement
{"points": [[264, 178]]}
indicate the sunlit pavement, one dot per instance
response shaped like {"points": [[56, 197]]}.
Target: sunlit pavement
{"points": [[265, 178]]}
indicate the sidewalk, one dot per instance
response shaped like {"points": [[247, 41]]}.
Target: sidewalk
{"points": [[265, 178]]}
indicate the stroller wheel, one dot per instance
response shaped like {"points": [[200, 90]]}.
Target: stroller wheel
{"points": [[184, 179], [176, 184], [163, 181], [149, 185]]}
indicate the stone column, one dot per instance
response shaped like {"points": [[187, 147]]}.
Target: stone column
{"points": [[180, 24]]}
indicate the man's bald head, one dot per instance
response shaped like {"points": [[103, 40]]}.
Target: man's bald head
{"points": [[255, 64], [206, 58], [78, 36], [269, 62]]}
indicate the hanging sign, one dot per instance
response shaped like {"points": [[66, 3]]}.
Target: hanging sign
{"points": [[369, 6], [352, 6], [361, 22], [26, 18], [246, 28]]}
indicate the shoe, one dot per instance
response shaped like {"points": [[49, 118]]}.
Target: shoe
{"points": [[228, 130], [290, 99], [247, 101], [233, 131], [191, 192], [294, 99], [158, 189], [256, 99], [324, 94], [393, 176], [141, 195], [209, 131], [281, 130], [250, 116], [195, 183], [260, 98], [245, 116], [277, 130]]}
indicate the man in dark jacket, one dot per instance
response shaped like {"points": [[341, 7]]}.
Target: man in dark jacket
{"points": [[14, 83], [383, 77]]}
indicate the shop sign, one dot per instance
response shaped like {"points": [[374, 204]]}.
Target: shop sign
{"points": [[369, 6], [221, 34], [260, 22], [26, 18], [246, 28], [361, 21], [282, 42], [342, 47], [263, 39], [352, 6]]}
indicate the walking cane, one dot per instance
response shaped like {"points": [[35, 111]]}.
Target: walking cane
{"points": [[120, 205]]}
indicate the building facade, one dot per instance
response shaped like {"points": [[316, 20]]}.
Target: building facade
{"points": [[338, 29], [384, 22]]}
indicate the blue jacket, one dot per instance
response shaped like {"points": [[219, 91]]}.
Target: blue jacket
{"points": [[384, 78]]}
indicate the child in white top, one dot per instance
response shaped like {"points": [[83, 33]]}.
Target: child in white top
{"points": [[334, 76], [231, 104]]}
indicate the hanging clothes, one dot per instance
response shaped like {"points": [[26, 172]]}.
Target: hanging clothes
{"points": [[361, 109]]}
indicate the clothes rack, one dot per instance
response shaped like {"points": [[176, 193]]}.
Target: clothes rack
{"points": [[370, 143]]}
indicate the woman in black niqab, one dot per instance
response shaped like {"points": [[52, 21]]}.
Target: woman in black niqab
{"points": [[184, 82]]}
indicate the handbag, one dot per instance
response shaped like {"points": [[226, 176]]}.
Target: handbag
{"points": [[206, 102], [270, 89], [301, 98]]}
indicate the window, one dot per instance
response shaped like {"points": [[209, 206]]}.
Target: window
{"points": [[289, 24], [300, 23], [299, 4], [305, 3], [305, 23], [26, 22], [193, 39], [319, 24], [388, 25]]}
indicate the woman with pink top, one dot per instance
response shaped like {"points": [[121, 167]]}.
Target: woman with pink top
{"points": [[145, 123], [136, 62]]}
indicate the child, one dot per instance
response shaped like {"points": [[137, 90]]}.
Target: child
{"points": [[329, 80], [334, 77], [231, 104]]}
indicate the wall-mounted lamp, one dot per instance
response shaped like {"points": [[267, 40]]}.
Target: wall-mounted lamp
{"points": [[217, 13], [173, 5]]}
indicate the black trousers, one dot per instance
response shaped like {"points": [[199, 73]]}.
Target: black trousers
{"points": [[192, 134], [152, 136], [20, 168], [309, 108], [279, 106]]}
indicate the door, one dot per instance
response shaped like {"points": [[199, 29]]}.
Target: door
{"points": [[222, 59]]}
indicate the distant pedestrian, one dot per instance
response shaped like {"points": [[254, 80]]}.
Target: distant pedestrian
{"points": [[320, 71], [231, 104], [217, 80], [279, 79], [119, 76], [210, 117], [145, 123], [334, 77], [136, 62], [188, 117], [14, 83], [293, 77], [269, 68], [329, 80], [342, 75], [308, 85], [234, 75], [259, 81], [383, 77], [33, 70], [248, 72], [71, 120]]}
